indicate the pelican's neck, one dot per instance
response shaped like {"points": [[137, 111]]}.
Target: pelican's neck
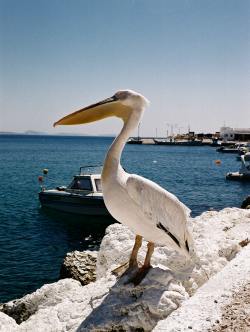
{"points": [[113, 157]]}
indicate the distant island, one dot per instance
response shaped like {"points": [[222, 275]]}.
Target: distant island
{"points": [[40, 133]]}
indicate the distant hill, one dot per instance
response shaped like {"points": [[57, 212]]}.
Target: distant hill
{"points": [[9, 133], [34, 132], [28, 132]]}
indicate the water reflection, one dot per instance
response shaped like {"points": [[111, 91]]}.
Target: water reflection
{"points": [[81, 231]]}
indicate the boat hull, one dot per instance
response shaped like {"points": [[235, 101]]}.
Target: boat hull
{"points": [[73, 203], [238, 176], [134, 142], [227, 150], [179, 143]]}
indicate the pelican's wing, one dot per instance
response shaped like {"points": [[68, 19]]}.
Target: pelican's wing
{"points": [[160, 207]]}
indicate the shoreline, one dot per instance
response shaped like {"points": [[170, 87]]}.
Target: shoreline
{"points": [[172, 297]]}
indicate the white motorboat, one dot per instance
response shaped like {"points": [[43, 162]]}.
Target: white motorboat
{"points": [[83, 196], [244, 171]]}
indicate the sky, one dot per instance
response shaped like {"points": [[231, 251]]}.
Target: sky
{"points": [[190, 58]]}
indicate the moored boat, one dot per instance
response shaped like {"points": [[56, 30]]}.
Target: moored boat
{"points": [[179, 142], [224, 149], [244, 172], [83, 196], [134, 141]]}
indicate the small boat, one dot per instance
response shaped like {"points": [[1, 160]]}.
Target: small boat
{"points": [[246, 155], [134, 141], [83, 196], [244, 171], [224, 149], [215, 142], [168, 141], [179, 143]]}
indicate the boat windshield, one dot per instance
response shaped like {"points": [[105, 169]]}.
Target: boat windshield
{"points": [[81, 184], [98, 184]]}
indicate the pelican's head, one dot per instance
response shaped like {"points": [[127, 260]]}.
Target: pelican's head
{"points": [[121, 104], [131, 98]]}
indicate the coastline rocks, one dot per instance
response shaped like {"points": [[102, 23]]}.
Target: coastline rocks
{"points": [[116, 248], [7, 324], [105, 305], [19, 310], [46, 296], [217, 239], [80, 266], [246, 203], [222, 304], [130, 308], [111, 304]]}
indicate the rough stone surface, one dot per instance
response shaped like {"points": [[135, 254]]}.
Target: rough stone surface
{"points": [[217, 238], [19, 310], [211, 307], [111, 304], [129, 308], [246, 203], [7, 324], [80, 266], [236, 315], [105, 304]]}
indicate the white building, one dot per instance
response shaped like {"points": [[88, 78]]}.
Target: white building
{"points": [[239, 134]]}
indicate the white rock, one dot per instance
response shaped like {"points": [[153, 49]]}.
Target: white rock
{"points": [[127, 307], [67, 306], [205, 308], [7, 324], [110, 304], [216, 236]]}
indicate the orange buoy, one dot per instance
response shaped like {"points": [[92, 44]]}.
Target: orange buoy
{"points": [[217, 162]]}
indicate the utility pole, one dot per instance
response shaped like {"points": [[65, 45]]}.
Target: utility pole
{"points": [[167, 124], [138, 134]]}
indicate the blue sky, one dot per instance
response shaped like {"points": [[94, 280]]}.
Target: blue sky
{"points": [[190, 58]]}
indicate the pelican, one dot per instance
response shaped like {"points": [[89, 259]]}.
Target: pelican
{"points": [[147, 209]]}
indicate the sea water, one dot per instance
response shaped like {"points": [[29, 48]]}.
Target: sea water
{"points": [[33, 242]]}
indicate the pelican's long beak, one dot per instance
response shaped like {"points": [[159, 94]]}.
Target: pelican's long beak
{"points": [[101, 110]]}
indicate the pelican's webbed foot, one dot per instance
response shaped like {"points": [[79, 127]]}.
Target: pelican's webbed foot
{"points": [[132, 264], [121, 270], [139, 275], [131, 269]]}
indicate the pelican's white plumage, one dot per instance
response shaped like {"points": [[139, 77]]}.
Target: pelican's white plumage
{"points": [[142, 205], [147, 209]]}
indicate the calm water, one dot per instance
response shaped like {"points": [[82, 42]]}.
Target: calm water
{"points": [[33, 243]]}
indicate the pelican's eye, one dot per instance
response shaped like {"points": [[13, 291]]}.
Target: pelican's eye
{"points": [[115, 97], [121, 95]]}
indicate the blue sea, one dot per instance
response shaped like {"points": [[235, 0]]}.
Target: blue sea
{"points": [[34, 242]]}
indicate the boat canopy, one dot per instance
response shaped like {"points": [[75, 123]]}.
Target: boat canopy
{"points": [[245, 165], [90, 169]]}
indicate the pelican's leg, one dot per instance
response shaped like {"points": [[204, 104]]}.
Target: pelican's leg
{"points": [[132, 263], [133, 258], [150, 251], [146, 266]]}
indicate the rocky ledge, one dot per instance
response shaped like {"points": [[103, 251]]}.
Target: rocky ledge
{"points": [[111, 304], [80, 266]]}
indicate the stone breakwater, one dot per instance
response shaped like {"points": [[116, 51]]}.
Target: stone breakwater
{"points": [[80, 266], [174, 296]]}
